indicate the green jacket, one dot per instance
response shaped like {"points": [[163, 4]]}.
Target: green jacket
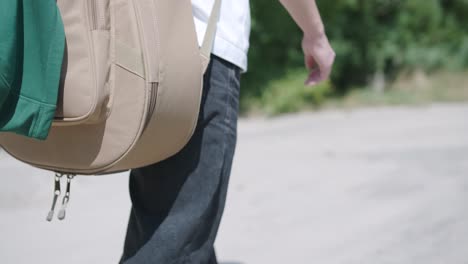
{"points": [[32, 42]]}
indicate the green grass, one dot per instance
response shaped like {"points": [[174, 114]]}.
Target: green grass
{"points": [[409, 89], [289, 94]]}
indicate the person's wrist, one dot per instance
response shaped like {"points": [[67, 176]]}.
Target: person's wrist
{"points": [[317, 34]]}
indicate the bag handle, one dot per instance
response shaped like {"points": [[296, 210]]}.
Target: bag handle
{"points": [[207, 45]]}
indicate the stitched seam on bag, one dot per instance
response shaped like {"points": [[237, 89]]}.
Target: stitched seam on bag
{"points": [[128, 69]]}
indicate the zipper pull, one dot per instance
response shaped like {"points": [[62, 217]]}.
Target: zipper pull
{"points": [[57, 192], [66, 198]]}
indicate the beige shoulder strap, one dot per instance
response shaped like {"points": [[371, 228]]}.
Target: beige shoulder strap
{"points": [[207, 45]]}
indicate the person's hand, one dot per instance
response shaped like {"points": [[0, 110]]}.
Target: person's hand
{"points": [[319, 57]]}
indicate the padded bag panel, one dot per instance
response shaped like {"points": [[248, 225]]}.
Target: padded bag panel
{"points": [[83, 96], [102, 143], [180, 86], [91, 148], [154, 85]]}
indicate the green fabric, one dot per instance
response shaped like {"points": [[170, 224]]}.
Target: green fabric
{"points": [[32, 42]]}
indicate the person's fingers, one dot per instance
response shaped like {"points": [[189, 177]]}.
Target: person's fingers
{"points": [[310, 62], [325, 70], [314, 77], [326, 65], [319, 58]]}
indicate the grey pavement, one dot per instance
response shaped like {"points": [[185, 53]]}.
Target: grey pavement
{"points": [[377, 185]]}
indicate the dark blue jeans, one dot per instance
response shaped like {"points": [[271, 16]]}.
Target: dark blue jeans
{"points": [[178, 203]]}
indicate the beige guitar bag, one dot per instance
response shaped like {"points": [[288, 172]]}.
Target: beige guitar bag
{"points": [[131, 87]]}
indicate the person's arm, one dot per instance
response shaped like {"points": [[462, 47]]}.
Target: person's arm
{"points": [[318, 54]]}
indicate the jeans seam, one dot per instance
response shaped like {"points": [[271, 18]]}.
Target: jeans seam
{"points": [[227, 117], [184, 252]]}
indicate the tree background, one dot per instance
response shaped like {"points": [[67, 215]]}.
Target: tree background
{"points": [[371, 38]]}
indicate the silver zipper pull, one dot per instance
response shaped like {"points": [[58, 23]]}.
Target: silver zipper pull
{"points": [[66, 198], [57, 192]]}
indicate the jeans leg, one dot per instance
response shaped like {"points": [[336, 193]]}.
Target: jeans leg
{"points": [[177, 204]]}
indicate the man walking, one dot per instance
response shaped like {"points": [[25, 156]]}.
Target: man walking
{"points": [[178, 203]]}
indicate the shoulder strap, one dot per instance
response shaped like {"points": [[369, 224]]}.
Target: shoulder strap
{"points": [[207, 45]]}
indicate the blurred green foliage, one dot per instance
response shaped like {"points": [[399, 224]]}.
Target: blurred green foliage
{"points": [[368, 36], [276, 99]]}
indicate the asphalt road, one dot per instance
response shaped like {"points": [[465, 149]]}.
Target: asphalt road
{"points": [[379, 185]]}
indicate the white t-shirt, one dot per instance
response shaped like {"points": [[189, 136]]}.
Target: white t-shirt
{"points": [[232, 35]]}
